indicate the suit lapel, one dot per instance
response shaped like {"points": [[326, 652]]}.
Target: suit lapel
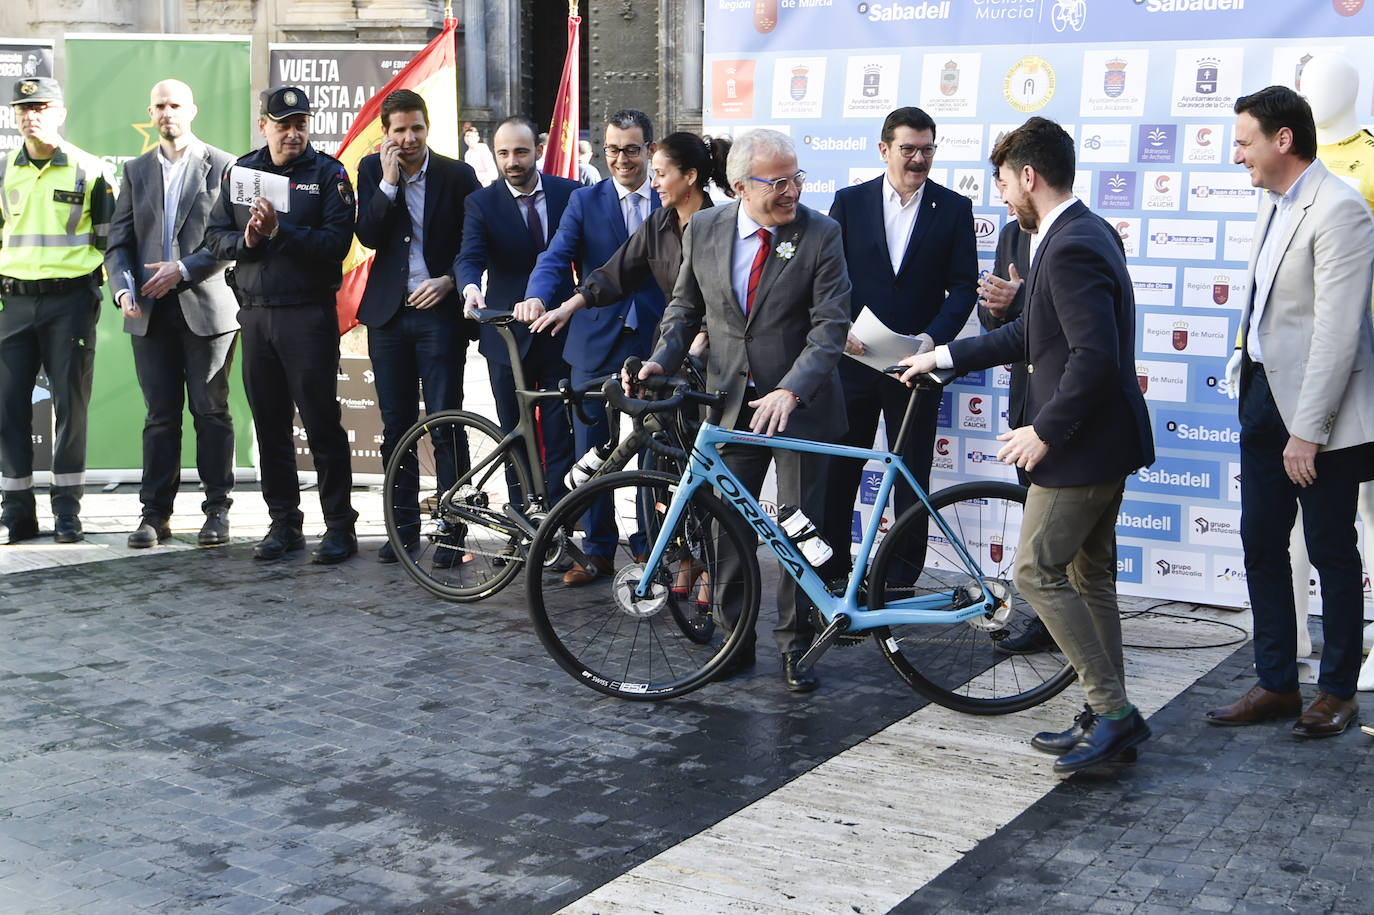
{"points": [[925, 220], [721, 250], [879, 226], [192, 180], [1266, 216], [434, 177], [778, 259]]}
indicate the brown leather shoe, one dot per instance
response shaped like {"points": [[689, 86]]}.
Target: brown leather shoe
{"points": [[1327, 716], [582, 575], [1257, 705]]}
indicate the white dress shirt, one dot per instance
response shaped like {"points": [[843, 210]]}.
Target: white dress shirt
{"points": [[173, 180], [415, 206], [899, 221]]}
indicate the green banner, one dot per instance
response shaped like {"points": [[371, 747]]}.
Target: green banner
{"points": [[108, 82]]}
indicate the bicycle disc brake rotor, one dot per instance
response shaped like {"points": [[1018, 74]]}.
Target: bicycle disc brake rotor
{"points": [[1001, 611], [623, 586]]}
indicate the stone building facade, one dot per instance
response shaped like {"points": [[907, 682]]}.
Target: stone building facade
{"points": [[643, 54]]}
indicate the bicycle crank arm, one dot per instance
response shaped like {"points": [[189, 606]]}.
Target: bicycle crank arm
{"points": [[520, 521], [821, 645]]}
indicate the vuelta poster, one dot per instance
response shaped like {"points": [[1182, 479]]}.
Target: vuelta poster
{"points": [[1146, 88]]}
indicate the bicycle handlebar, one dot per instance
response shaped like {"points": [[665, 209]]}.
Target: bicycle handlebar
{"points": [[933, 379], [682, 389]]}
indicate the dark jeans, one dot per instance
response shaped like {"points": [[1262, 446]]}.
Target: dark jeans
{"points": [[170, 360], [418, 347], [599, 522], [291, 359], [56, 332], [1269, 501]]}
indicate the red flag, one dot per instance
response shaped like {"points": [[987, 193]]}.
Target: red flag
{"points": [[560, 156], [433, 75]]}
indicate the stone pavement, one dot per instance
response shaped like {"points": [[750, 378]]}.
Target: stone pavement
{"points": [[190, 730]]}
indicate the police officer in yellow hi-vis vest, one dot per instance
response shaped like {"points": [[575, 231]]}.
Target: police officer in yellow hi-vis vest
{"points": [[55, 208]]}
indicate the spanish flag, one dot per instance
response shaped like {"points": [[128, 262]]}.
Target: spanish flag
{"points": [[433, 74], [560, 157]]}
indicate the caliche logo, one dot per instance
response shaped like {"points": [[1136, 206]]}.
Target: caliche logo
{"points": [[975, 405], [1162, 184], [942, 446]]}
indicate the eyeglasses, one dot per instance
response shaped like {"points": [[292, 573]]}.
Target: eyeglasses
{"points": [[779, 185], [630, 152], [909, 152]]}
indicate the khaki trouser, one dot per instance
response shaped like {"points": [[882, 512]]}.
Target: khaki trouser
{"points": [[1065, 568]]}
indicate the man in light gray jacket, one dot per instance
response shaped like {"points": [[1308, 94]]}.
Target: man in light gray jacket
{"points": [[179, 313]]}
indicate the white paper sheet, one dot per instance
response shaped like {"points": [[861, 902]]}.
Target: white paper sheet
{"points": [[248, 184], [884, 346]]}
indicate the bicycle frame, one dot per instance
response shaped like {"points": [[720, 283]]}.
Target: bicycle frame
{"points": [[707, 467]]}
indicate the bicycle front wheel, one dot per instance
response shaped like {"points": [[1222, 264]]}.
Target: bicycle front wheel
{"points": [[964, 666], [667, 643], [444, 498]]}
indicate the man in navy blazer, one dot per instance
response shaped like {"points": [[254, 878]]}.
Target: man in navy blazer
{"points": [[410, 212], [1084, 428], [508, 223], [913, 261], [598, 340]]}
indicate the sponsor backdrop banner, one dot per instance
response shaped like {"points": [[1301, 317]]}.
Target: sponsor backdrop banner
{"points": [[339, 79], [108, 81], [1146, 89]]}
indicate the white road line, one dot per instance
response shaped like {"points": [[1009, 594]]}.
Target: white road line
{"points": [[866, 829]]}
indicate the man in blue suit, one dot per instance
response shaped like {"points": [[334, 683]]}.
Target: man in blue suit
{"points": [[506, 226], [913, 262], [410, 211], [599, 220]]}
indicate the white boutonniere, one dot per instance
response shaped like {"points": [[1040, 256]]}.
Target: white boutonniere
{"points": [[787, 250]]}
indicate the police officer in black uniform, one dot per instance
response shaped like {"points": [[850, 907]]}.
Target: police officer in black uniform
{"points": [[289, 266]]}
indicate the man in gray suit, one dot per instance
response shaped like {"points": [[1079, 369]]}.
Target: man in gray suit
{"points": [[1306, 409], [768, 277], [179, 313]]}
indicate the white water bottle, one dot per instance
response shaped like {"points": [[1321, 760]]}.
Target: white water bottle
{"points": [[803, 534], [586, 465]]}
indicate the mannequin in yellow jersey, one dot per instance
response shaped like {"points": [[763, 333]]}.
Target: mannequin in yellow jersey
{"points": [[1330, 83]]}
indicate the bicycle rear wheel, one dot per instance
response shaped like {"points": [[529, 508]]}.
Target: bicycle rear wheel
{"points": [[667, 644], [444, 498], [959, 665]]}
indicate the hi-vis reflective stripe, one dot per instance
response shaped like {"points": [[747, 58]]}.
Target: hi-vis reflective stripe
{"points": [[49, 241], [16, 484], [69, 479], [74, 217]]}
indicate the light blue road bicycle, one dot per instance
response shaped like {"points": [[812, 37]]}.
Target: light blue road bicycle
{"points": [[657, 627]]}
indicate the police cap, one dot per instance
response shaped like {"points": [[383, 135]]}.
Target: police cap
{"points": [[36, 89], [283, 102]]}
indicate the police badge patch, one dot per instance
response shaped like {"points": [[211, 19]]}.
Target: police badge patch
{"points": [[346, 192]]}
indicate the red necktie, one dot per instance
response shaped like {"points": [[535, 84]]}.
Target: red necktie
{"points": [[756, 269]]}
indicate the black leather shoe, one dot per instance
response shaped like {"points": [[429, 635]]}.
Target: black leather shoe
{"points": [[1033, 640], [742, 661], [798, 681], [387, 554], [1104, 739], [281, 539], [215, 530], [1058, 743], [15, 530], [67, 529], [335, 546], [150, 532]]}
